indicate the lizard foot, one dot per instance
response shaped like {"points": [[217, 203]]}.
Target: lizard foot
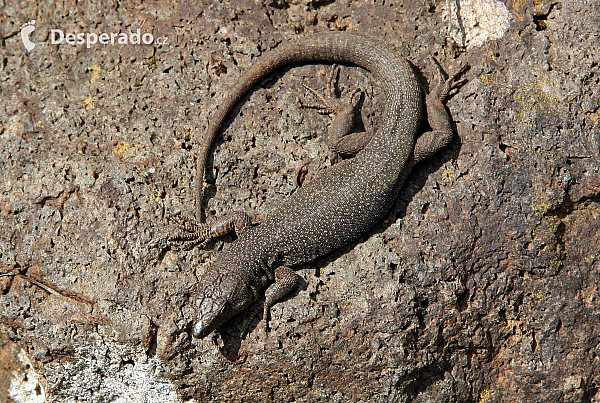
{"points": [[330, 103], [342, 138], [195, 233], [448, 87], [198, 233], [441, 132]]}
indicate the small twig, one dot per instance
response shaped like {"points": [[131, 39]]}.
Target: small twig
{"points": [[46, 287], [34, 282], [42, 286]]}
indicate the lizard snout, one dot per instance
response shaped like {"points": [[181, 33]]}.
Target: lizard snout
{"points": [[201, 329]]}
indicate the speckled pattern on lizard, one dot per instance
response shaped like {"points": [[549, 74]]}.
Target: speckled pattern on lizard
{"points": [[339, 204]]}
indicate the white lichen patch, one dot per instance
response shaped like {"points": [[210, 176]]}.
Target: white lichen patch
{"points": [[139, 382], [100, 373], [474, 22], [25, 386]]}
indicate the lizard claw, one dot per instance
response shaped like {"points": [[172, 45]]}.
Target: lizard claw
{"points": [[199, 233], [327, 105], [195, 233], [448, 87], [330, 103]]}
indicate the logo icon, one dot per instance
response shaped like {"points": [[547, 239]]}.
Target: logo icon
{"points": [[26, 30]]}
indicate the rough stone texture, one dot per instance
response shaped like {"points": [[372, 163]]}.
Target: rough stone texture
{"points": [[482, 284]]}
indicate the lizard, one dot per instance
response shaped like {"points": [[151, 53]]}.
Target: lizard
{"points": [[338, 205]]}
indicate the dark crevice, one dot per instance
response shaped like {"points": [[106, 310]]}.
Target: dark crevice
{"points": [[568, 206], [503, 148], [590, 393], [540, 20], [463, 301], [153, 340]]}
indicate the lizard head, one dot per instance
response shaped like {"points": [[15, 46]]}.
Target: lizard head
{"points": [[223, 295]]}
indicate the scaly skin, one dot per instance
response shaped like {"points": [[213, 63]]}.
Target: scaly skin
{"points": [[335, 207]]}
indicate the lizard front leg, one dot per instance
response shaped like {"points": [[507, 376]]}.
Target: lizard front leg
{"points": [[286, 282], [198, 233]]}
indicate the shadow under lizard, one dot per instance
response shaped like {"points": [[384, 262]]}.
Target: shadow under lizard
{"points": [[339, 204]]}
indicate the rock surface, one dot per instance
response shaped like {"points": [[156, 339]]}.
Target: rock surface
{"points": [[481, 285]]}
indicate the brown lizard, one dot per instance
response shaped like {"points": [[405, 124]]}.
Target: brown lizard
{"points": [[340, 203]]}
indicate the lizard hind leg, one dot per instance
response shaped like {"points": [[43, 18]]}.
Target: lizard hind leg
{"points": [[198, 233], [439, 120], [341, 139]]}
